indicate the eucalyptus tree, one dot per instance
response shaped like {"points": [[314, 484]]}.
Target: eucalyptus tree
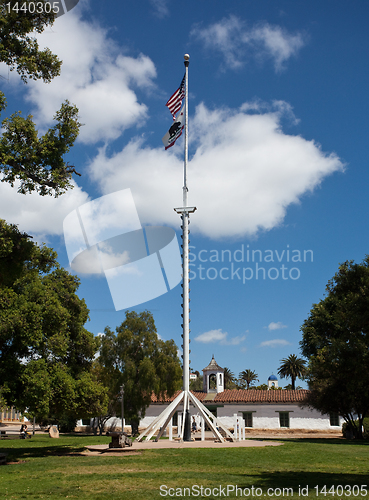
{"points": [[145, 365]]}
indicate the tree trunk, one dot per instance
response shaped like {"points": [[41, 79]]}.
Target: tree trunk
{"points": [[360, 429], [134, 424], [95, 424]]}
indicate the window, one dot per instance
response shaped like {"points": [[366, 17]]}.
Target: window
{"points": [[85, 421], [213, 410], [284, 419], [247, 416], [334, 419]]}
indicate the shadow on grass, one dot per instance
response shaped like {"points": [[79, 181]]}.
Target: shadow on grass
{"points": [[18, 454], [300, 482], [44, 446], [337, 441]]}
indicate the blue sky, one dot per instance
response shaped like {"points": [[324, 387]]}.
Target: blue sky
{"points": [[278, 121]]}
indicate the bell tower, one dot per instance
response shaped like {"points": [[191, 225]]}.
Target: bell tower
{"points": [[213, 377]]}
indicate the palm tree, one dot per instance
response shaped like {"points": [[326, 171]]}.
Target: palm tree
{"points": [[248, 376], [293, 367], [228, 378]]}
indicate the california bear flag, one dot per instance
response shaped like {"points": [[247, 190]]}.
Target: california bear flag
{"points": [[175, 130]]}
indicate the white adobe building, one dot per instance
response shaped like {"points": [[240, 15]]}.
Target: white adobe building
{"points": [[259, 409]]}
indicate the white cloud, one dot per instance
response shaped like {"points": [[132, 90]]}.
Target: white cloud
{"points": [[161, 7], [235, 340], [212, 336], [274, 343], [38, 215], [241, 157], [217, 336], [244, 169], [100, 80], [236, 41], [242, 163], [276, 326], [96, 76]]}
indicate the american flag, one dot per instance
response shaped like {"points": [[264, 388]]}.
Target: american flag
{"points": [[175, 102]]}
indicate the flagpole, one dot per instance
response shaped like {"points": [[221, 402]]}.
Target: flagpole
{"points": [[185, 189], [160, 422], [185, 268]]}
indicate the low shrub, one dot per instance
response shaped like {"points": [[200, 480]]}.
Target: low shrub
{"points": [[345, 428]]}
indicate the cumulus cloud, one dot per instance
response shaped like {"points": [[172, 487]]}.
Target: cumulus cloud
{"points": [[236, 41], [242, 160], [218, 336], [276, 326], [38, 215], [240, 157], [102, 81], [275, 343], [96, 76]]}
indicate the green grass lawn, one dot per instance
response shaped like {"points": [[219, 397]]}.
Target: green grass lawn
{"points": [[54, 469]]}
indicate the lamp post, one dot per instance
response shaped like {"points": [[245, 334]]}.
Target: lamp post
{"points": [[122, 404]]}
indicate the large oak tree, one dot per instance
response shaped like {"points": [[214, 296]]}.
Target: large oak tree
{"points": [[45, 351], [336, 342]]}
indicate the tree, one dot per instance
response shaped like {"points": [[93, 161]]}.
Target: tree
{"points": [[36, 161], [197, 384], [143, 363], [262, 387], [292, 367], [336, 342], [248, 377], [229, 379], [45, 351], [288, 387], [112, 407], [2, 399]]}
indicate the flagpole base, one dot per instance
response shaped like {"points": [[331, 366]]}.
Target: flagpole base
{"points": [[220, 431]]}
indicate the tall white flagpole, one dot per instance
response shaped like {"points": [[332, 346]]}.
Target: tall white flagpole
{"points": [[185, 268], [160, 422], [185, 189]]}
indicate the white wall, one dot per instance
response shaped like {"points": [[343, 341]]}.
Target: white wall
{"points": [[265, 416]]}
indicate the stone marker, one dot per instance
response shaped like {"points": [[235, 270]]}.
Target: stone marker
{"points": [[119, 440], [53, 432]]}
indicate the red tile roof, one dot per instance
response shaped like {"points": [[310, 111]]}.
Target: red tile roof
{"points": [[246, 396], [199, 395], [261, 396]]}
